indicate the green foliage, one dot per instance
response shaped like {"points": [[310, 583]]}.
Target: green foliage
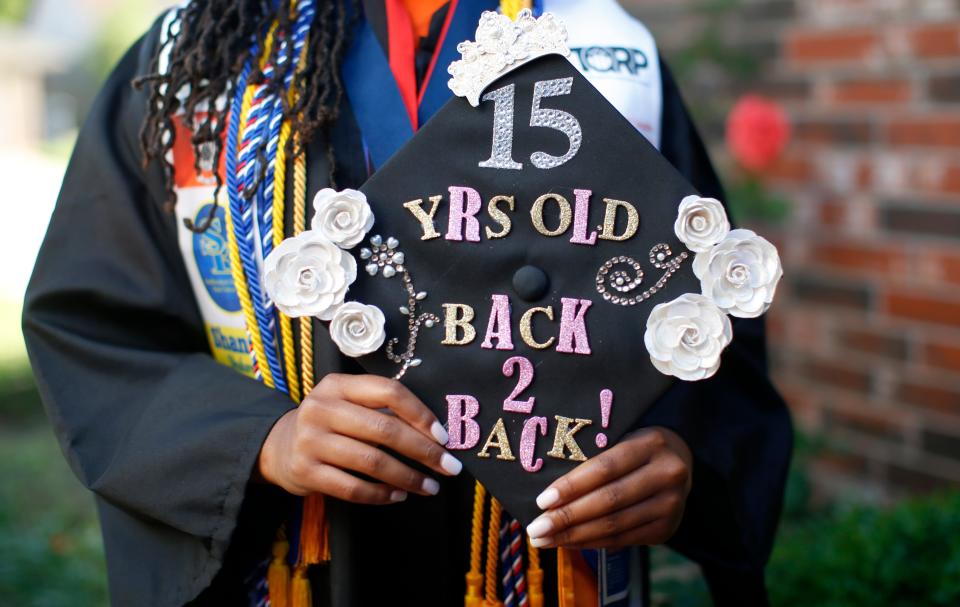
{"points": [[905, 556], [750, 200], [121, 29], [708, 47], [49, 538], [797, 501], [19, 400], [676, 581], [14, 11]]}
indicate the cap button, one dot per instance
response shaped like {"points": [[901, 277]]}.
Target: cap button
{"points": [[530, 283]]}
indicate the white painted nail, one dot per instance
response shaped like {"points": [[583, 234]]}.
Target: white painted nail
{"points": [[540, 527], [540, 542], [398, 496], [439, 433], [451, 464], [548, 498], [430, 486]]}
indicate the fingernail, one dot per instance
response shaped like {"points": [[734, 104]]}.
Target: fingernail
{"points": [[540, 527], [430, 486], [451, 464], [398, 496], [548, 498], [439, 433], [540, 542]]}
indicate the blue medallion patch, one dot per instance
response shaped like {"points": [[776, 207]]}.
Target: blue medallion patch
{"points": [[213, 261]]}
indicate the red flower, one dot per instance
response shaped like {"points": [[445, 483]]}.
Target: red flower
{"points": [[757, 132]]}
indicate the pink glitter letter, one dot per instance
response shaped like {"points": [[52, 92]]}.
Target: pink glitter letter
{"points": [[572, 326], [581, 217], [523, 382], [499, 324], [465, 203], [528, 442], [463, 429]]}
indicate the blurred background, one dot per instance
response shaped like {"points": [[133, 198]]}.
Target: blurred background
{"points": [[836, 127]]}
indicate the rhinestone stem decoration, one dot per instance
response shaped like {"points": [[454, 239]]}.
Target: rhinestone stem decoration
{"points": [[622, 281], [384, 257]]}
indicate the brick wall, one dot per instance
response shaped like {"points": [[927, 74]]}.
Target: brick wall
{"points": [[865, 334]]}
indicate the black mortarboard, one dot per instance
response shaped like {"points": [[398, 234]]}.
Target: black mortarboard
{"points": [[524, 226]]}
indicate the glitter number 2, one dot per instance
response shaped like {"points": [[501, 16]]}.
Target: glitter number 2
{"points": [[501, 153], [523, 382]]}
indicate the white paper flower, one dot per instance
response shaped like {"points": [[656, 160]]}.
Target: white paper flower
{"points": [[701, 223], [686, 336], [307, 275], [344, 217], [740, 274], [357, 328]]}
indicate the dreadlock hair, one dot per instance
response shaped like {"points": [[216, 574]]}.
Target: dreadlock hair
{"points": [[208, 43]]}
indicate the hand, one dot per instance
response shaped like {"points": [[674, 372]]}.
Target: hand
{"points": [[633, 493], [337, 431]]}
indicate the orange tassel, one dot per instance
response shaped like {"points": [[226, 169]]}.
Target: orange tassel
{"points": [[534, 576], [300, 595], [473, 597], [493, 554], [278, 575], [314, 531], [565, 592]]}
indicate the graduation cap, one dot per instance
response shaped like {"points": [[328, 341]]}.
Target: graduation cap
{"points": [[521, 242]]}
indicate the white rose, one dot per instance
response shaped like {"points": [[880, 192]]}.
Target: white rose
{"points": [[701, 223], [307, 275], [344, 217], [357, 328], [686, 336], [740, 274]]}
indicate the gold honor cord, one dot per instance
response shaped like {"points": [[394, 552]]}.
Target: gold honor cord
{"points": [[493, 552], [474, 576], [286, 327], [299, 222]]}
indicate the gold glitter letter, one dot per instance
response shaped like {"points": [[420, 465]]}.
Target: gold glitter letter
{"points": [[499, 216], [566, 214], [526, 328], [458, 315], [502, 443], [610, 220], [425, 219], [564, 438]]}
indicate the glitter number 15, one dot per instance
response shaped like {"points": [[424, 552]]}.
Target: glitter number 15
{"points": [[501, 154]]}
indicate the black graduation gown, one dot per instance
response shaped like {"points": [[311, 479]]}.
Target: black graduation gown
{"points": [[166, 438]]}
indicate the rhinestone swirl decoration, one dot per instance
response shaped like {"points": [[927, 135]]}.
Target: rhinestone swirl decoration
{"points": [[620, 275], [384, 257]]}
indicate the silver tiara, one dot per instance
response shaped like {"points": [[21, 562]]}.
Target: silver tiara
{"points": [[503, 45]]}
